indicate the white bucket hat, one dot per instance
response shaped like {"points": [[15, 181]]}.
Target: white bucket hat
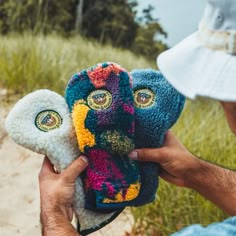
{"points": [[204, 64]]}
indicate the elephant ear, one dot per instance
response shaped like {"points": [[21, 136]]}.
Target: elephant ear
{"points": [[41, 122]]}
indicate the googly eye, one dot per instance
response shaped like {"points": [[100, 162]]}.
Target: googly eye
{"points": [[48, 120], [99, 99], [143, 98]]}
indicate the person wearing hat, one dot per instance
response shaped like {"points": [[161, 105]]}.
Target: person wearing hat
{"points": [[203, 64]]}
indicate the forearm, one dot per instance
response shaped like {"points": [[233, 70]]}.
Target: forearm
{"points": [[215, 183], [55, 223]]}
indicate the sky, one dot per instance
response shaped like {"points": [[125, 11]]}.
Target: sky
{"points": [[179, 18]]}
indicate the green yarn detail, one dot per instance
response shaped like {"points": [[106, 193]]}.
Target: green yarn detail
{"points": [[116, 142]]}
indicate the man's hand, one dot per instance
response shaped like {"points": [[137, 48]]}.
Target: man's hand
{"points": [[180, 167], [56, 196], [175, 160]]}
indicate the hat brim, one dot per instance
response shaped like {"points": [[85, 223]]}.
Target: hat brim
{"points": [[198, 71]]}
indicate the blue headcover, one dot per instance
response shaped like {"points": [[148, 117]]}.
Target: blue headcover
{"points": [[157, 107]]}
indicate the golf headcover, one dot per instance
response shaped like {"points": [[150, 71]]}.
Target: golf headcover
{"points": [[102, 105], [41, 122], [157, 107]]}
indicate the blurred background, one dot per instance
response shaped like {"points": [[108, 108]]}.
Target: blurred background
{"points": [[44, 42], [140, 29]]}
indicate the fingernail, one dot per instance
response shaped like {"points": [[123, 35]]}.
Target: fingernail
{"points": [[84, 159], [133, 155]]}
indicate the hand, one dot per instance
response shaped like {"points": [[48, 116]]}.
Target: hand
{"points": [[57, 190], [175, 160], [180, 167]]}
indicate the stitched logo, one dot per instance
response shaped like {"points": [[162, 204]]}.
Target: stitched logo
{"points": [[99, 99], [143, 98], [48, 120]]}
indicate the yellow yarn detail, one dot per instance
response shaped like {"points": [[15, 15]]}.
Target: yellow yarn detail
{"points": [[132, 193], [84, 136]]}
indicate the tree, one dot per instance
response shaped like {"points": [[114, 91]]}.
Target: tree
{"points": [[110, 21], [79, 16], [106, 21], [38, 16], [3, 18], [146, 42]]}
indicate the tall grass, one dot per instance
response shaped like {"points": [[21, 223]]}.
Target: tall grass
{"points": [[32, 62], [29, 62]]}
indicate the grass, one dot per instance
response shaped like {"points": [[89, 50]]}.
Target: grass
{"points": [[28, 63]]}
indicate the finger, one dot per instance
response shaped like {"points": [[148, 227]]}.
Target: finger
{"points": [[171, 179], [147, 154], [47, 167], [75, 169]]}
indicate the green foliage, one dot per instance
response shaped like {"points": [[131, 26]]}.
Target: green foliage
{"points": [[31, 62], [146, 41], [204, 131], [38, 16], [105, 21], [110, 22]]}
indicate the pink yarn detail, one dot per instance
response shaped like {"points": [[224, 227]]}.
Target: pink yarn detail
{"points": [[132, 128], [100, 170], [129, 109]]}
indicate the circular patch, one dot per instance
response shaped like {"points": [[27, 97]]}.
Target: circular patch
{"points": [[99, 99], [48, 120], [143, 98]]}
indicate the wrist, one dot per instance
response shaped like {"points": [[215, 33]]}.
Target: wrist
{"points": [[51, 212], [54, 222], [196, 173], [50, 215]]}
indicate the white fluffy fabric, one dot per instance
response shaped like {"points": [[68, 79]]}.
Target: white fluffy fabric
{"points": [[60, 145]]}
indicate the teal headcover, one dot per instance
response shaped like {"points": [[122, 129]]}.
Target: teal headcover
{"points": [[157, 107]]}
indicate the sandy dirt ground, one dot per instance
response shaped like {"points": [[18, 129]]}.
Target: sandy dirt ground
{"points": [[19, 193]]}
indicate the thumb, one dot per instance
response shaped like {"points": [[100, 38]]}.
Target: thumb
{"points": [[147, 154], [75, 169]]}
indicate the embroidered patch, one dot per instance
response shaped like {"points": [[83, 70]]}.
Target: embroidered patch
{"points": [[143, 98], [48, 120], [99, 99]]}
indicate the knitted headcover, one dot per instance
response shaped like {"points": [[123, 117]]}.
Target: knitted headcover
{"points": [[102, 106], [108, 108], [111, 114]]}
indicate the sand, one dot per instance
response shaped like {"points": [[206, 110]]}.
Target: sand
{"points": [[19, 193]]}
